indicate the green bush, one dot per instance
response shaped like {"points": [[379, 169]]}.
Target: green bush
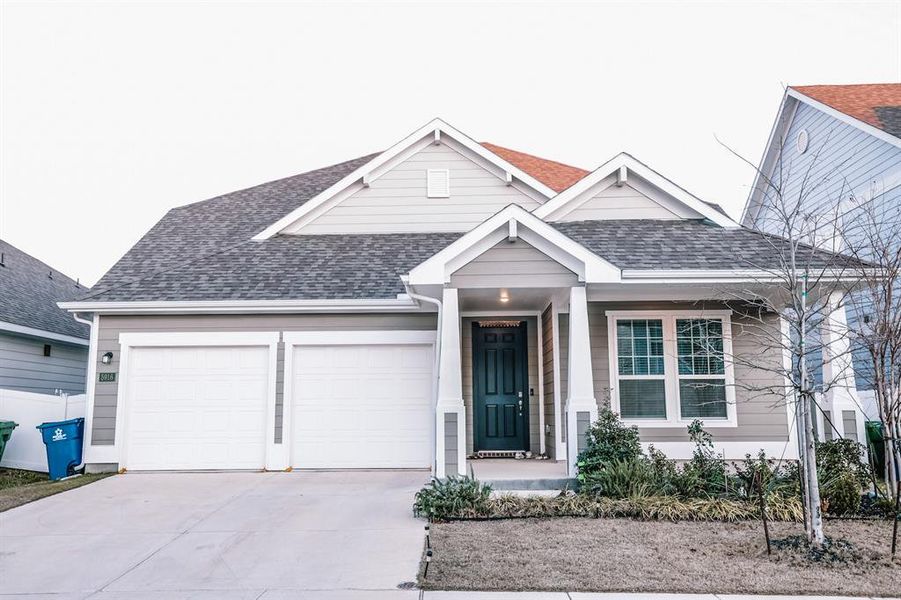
{"points": [[705, 474], [773, 476], [841, 494], [454, 496], [608, 440], [842, 475], [621, 478]]}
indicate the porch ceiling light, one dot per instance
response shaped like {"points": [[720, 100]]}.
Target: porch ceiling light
{"points": [[504, 297]]}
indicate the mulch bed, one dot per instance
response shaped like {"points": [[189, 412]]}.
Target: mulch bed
{"points": [[624, 555]]}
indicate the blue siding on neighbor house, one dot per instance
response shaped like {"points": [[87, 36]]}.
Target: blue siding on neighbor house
{"points": [[24, 367], [851, 158]]}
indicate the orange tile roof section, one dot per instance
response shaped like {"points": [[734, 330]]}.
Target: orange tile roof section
{"points": [[858, 101], [551, 173]]}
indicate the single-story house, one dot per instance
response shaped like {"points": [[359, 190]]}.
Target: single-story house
{"points": [[43, 350], [413, 308]]}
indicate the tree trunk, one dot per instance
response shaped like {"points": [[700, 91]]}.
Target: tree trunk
{"points": [[815, 534]]}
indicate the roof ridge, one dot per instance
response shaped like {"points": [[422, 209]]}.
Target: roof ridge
{"points": [[56, 271]]}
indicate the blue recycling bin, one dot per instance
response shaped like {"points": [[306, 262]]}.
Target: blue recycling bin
{"points": [[63, 440]]}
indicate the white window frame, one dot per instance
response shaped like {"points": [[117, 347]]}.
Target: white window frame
{"points": [[671, 365]]}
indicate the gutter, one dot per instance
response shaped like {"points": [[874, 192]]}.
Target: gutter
{"points": [[400, 304]]}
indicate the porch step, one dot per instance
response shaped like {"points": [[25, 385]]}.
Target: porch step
{"points": [[557, 484]]}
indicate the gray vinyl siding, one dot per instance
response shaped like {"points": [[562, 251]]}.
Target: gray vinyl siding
{"points": [[397, 202], [547, 355], [563, 321], [513, 264], [105, 394], [532, 355], [24, 367], [621, 203], [450, 444], [758, 419]]}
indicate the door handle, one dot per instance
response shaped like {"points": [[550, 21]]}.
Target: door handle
{"points": [[520, 405]]}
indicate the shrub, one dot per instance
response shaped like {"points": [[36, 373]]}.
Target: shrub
{"points": [[841, 494], [773, 476], [608, 440], [705, 473], [454, 496], [621, 478], [839, 456], [841, 475]]}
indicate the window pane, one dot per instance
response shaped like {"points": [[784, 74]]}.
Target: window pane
{"points": [[699, 343], [703, 398], [642, 399], [639, 346]]}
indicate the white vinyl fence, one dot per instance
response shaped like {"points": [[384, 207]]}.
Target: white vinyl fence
{"points": [[25, 449]]}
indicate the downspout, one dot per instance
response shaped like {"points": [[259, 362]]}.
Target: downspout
{"points": [[90, 325], [437, 361]]}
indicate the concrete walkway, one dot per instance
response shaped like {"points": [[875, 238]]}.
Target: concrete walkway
{"points": [[217, 535]]}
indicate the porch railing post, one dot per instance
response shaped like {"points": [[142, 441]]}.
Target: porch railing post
{"points": [[450, 412], [581, 406]]}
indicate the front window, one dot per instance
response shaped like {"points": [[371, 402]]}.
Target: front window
{"points": [[668, 369], [702, 372], [642, 381]]}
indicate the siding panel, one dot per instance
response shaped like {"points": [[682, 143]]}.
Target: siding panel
{"points": [[516, 264], [24, 367]]}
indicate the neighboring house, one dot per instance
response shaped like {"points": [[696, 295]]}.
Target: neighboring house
{"points": [[841, 145], [42, 348], [409, 308]]}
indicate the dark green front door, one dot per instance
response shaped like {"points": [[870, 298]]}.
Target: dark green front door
{"points": [[500, 391]]}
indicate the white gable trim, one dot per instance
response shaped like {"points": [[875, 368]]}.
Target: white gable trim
{"points": [[435, 131], [588, 266], [581, 191]]}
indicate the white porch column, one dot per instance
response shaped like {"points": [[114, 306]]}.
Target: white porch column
{"points": [[450, 413], [838, 370], [581, 406]]}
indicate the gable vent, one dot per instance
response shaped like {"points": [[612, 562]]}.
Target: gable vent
{"points": [[438, 183]]}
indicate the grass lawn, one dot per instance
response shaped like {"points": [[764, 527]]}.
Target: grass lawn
{"points": [[622, 555], [19, 487]]}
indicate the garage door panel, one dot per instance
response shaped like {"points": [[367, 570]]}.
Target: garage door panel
{"points": [[362, 406], [197, 408]]}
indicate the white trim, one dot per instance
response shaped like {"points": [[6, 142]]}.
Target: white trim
{"points": [[293, 339], [89, 393], [438, 269], [117, 453], [43, 333], [553, 209], [671, 375], [845, 118], [778, 128], [559, 425], [191, 338], [429, 130], [352, 338], [243, 306], [539, 330]]}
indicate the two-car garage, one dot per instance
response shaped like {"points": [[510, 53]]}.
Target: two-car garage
{"points": [[346, 399]]}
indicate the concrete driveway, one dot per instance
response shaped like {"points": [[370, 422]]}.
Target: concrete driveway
{"points": [[217, 535]]}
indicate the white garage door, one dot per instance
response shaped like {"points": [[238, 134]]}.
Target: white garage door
{"points": [[362, 406], [197, 408]]}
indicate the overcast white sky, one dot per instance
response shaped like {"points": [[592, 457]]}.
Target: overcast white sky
{"points": [[112, 113]]}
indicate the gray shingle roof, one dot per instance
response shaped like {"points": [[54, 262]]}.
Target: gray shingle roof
{"points": [[204, 251], [29, 291], [689, 244]]}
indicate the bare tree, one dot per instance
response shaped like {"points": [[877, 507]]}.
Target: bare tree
{"points": [[871, 232], [795, 290]]}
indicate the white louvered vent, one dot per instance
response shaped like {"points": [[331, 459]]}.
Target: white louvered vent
{"points": [[438, 183]]}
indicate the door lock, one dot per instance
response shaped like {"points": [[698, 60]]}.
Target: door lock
{"points": [[520, 406]]}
